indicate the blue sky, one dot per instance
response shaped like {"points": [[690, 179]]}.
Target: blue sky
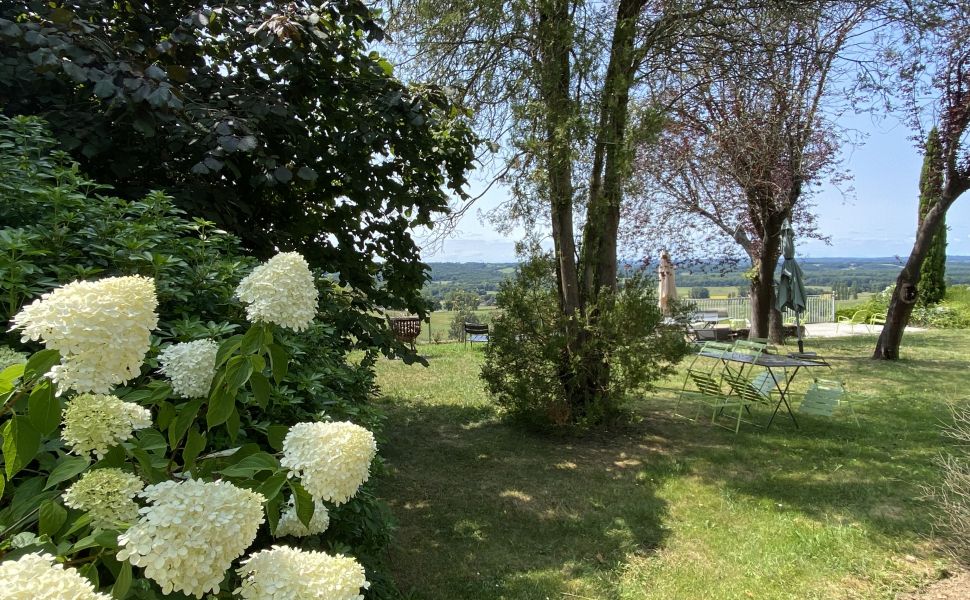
{"points": [[880, 220]]}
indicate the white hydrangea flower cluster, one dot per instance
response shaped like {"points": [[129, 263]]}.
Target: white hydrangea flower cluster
{"points": [[280, 291], [191, 532], [331, 459], [290, 523], [190, 367], [101, 328], [107, 495], [97, 422], [283, 573], [37, 576]]}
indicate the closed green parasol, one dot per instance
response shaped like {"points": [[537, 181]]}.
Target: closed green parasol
{"points": [[791, 288]]}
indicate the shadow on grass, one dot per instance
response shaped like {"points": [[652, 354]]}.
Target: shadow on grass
{"points": [[507, 514], [486, 510]]}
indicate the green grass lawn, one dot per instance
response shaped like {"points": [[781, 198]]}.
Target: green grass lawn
{"points": [[668, 508]]}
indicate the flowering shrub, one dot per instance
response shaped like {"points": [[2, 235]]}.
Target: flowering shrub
{"points": [[10, 357], [96, 423], [201, 511], [108, 496], [333, 459], [290, 523], [233, 434], [280, 291], [190, 533]]}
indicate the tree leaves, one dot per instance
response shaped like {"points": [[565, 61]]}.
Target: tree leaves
{"points": [[252, 464], [303, 501], [320, 128]]}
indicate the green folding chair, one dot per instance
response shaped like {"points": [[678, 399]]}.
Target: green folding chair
{"points": [[751, 347], [702, 382], [746, 393], [823, 397]]}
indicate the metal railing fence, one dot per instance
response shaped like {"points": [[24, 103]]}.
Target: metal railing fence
{"points": [[819, 309]]}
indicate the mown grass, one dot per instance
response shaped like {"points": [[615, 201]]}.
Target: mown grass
{"points": [[668, 508]]}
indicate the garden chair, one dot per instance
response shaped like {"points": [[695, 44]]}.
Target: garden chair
{"points": [[476, 332], [823, 397], [405, 329], [703, 378], [877, 319], [753, 347], [741, 395], [858, 318]]}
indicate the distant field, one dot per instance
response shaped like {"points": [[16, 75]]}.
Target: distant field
{"points": [[717, 292]]}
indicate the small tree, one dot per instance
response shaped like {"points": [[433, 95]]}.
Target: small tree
{"points": [[932, 281], [457, 329], [462, 300], [937, 43], [698, 293], [523, 361], [750, 136]]}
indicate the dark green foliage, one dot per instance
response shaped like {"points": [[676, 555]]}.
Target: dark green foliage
{"points": [[57, 226], [523, 361], [699, 293], [271, 119], [932, 279]]}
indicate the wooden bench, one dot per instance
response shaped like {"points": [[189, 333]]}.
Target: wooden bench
{"points": [[476, 332], [405, 329]]}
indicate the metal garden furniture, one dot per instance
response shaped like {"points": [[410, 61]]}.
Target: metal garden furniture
{"points": [[858, 318], [781, 368], [823, 397], [702, 382], [476, 332], [405, 329]]}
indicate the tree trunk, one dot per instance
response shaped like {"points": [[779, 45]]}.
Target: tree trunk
{"points": [[555, 42], [555, 39], [776, 324], [762, 283], [887, 346], [598, 262]]}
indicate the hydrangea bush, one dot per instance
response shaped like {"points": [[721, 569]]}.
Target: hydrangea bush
{"points": [[134, 475], [196, 270]]}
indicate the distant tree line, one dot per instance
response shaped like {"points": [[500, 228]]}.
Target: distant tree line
{"points": [[846, 277]]}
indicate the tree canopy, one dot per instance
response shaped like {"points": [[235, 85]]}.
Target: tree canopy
{"points": [[750, 131], [272, 119]]}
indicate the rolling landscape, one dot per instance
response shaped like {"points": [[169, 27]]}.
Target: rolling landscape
{"points": [[859, 274]]}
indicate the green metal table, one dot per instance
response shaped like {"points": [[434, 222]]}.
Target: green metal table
{"points": [[771, 362]]}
